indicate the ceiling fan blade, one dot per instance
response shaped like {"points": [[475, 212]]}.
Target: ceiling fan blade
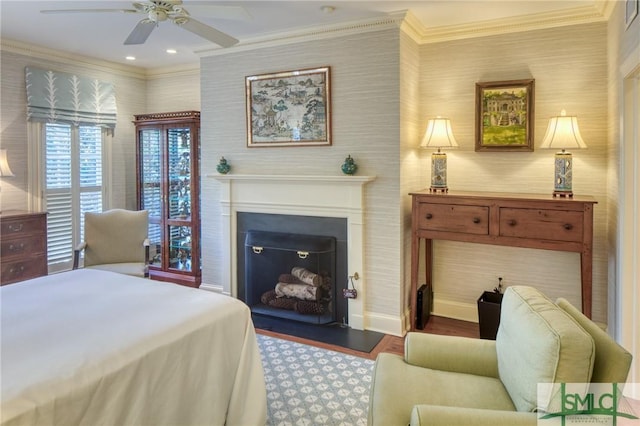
{"points": [[207, 32], [141, 32], [56, 11]]}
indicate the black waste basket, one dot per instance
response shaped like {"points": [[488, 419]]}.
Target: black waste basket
{"points": [[489, 314]]}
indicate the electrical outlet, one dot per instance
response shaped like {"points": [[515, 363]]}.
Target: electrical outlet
{"points": [[349, 293]]}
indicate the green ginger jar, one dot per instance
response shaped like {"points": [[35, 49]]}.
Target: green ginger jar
{"points": [[223, 167], [349, 167]]}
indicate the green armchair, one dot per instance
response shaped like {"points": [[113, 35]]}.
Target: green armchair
{"points": [[451, 380]]}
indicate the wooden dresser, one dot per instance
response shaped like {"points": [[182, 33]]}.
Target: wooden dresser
{"points": [[23, 250], [517, 220]]}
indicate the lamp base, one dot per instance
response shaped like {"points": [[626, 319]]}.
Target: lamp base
{"points": [[437, 189]]}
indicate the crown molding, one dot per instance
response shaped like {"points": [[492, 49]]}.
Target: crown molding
{"points": [[35, 51], [410, 25], [538, 21], [40, 52], [185, 70], [309, 34]]}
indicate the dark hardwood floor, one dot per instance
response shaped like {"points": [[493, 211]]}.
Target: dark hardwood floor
{"points": [[394, 344]]}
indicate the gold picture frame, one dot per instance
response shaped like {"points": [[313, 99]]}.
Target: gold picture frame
{"points": [[289, 108], [505, 115]]}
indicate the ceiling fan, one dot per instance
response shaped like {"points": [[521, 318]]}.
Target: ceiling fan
{"points": [[170, 10]]}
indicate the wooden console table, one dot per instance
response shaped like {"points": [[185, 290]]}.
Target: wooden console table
{"points": [[517, 220]]}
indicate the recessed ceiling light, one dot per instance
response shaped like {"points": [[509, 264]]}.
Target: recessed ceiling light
{"points": [[328, 9], [172, 51], [130, 58]]}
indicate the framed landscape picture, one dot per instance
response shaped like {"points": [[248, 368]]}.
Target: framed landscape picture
{"points": [[289, 108], [505, 115]]}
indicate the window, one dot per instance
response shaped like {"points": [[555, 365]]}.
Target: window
{"points": [[72, 184]]}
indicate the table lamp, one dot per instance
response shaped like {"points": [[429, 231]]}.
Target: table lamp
{"points": [[438, 135], [5, 170], [563, 133]]}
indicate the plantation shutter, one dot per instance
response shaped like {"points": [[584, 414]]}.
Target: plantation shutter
{"points": [[73, 184], [67, 98], [58, 192]]}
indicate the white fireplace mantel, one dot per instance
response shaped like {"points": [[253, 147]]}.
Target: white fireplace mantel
{"points": [[326, 196]]}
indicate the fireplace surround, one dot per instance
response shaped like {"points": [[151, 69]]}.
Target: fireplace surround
{"points": [[297, 195]]}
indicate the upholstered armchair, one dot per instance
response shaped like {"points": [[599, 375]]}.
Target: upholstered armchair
{"points": [[452, 380], [115, 240]]}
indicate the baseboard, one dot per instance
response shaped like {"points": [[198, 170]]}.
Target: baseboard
{"points": [[455, 310], [214, 288], [386, 324]]}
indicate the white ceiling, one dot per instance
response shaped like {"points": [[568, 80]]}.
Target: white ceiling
{"points": [[101, 35]]}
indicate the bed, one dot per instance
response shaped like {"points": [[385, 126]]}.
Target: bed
{"points": [[99, 348]]}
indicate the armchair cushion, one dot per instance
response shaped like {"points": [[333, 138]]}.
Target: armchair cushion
{"points": [[410, 385], [133, 269], [537, 342], [442, 415]]}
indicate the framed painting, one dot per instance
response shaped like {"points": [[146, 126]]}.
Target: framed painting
{"points": [[505, 115], [289, 108], [630, 11]]}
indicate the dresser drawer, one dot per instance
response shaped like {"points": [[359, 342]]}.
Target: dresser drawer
{"points": [[25, 269], [554, 225], [454, 218], [22, 247], [22, 225]]}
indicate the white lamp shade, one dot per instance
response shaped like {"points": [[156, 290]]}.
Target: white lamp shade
{"points": [[5, 170], [563, 133], [438, 134]]}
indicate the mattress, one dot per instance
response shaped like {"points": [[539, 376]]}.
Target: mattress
{"points": [[98, 348]]}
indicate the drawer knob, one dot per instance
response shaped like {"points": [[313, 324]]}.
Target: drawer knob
{"points": [[512, 222], [429, 216], [16, 270], [568, 226], [18, 247], [15, 228], [476, 220]]}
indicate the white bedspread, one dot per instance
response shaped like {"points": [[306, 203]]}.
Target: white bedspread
{"points": [[97, 348]]}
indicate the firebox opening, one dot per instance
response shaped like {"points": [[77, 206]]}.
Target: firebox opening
{"points": [[281, 237], [291, 276]]}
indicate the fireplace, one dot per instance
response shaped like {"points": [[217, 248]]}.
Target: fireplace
{"points": [[325, 197], [291, 276], [281, 237]]}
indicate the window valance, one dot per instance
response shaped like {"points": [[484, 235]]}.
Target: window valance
{"points": [[63, 97]]}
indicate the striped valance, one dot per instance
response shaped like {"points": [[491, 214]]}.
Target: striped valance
{"points": [[62, 97]]}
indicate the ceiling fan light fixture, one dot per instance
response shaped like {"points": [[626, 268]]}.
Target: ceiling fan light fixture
{"points": [[157, 15]]}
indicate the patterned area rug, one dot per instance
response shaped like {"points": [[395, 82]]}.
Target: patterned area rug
{"points": [[312, 386]]}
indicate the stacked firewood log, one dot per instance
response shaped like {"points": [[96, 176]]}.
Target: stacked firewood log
{"points": [[300, 290]]}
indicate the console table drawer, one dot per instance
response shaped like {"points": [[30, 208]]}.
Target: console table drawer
{"points": [[554, 225], [454, 218]]}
